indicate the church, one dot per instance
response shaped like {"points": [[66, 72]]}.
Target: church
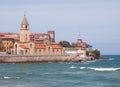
{"points": [[40, 46]]}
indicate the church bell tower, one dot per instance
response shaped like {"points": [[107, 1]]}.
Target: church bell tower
{"points": [[24, 30]]}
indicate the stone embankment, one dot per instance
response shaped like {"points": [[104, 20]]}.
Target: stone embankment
{"points": [[40, 58]]}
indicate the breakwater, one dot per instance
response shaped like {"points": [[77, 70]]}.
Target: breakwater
{"points": [[39, 58]]}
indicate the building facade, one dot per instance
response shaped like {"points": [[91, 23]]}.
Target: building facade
{"points": [[78, 47], [35, 44], [8, 40]]}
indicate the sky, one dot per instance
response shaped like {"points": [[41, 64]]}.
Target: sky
{"points": [[97, 21]]}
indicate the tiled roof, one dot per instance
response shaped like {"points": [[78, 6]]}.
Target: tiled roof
{"points": [[39, 34], [10, 36], [56, 47], [39, 46], [80, 44], [24, 47], [6, 36]]}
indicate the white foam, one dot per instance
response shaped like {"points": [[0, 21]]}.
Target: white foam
{"points": [[72, 67], [91, 61], [6, 77], [101, 69], [105, 69], [82, 67]]}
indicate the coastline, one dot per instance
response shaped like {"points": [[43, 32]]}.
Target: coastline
{"points": [[41, 58]]}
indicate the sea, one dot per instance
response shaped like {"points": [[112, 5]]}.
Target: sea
{"points": [[99, 73]]}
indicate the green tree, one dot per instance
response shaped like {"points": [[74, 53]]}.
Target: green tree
{"points": [[96, 53], [64, 44]]}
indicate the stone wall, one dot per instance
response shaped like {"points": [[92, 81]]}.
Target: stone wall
{"points": [[38, 58]]}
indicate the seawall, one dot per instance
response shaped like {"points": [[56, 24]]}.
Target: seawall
{"points": [[39, 58]]}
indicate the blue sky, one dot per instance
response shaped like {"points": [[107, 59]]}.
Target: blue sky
{"points": [[98, 21]]}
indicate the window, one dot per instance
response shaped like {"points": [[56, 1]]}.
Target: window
{"points": [[39, 50], [26, 36], [48, 48], [16, 46], [25, 51], [30, 45], [26, 26], [43, 49], [35, 50]]}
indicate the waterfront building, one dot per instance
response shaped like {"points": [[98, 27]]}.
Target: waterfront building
{"points": [[27, 43], [81, 44], [35, 44], [8, 40], [49, 36], [78, 47]]}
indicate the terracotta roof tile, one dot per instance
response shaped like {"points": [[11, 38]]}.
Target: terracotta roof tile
{"points": [[56, 47], [24, 47], [80, 44], [39, 46]]}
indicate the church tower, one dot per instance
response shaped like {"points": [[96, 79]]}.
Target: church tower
{"points": [[24, 31]]}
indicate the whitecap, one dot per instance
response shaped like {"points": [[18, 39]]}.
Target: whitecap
{"points": [[104, 69], [100, 69], [6, 77], [82, 67], [72, 67], [92, 61]]}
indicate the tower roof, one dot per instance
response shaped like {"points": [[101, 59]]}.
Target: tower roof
{"points": [[24, 21]]}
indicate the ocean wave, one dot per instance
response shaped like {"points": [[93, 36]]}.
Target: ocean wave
{"points": [[6, 77], [82, 67], [101, 69], [72, 67], [105, 69]]}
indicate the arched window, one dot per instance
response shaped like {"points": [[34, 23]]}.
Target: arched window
{"points": [[16, 46], [26, 26]]}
